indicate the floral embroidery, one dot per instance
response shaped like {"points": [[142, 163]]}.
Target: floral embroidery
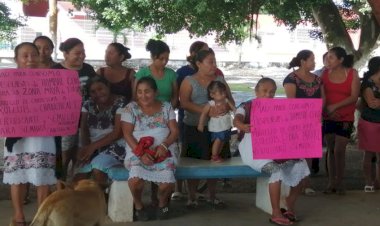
{"points": [[29, 160], [308, 88]]}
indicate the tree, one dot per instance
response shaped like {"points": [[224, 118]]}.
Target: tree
{"points": [[8, 26], [234, 20]]}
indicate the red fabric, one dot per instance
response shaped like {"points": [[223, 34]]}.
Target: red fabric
{"points": [[143, 147], [336, 92]]}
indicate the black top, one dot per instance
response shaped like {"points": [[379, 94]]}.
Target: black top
{"points": [[305, 89], [370, 114]]}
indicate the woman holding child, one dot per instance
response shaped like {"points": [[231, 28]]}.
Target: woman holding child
{"points": [[291, 172], [150, 130], [193, 96]]}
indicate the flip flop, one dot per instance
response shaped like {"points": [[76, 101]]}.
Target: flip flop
{"points": [[280, 221], [369, 189], [289, 214]]}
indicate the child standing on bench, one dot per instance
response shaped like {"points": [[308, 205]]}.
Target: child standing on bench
{"points": [[291, 172], [220, 126]]}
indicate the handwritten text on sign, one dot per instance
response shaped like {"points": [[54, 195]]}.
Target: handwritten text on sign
{"points": [[286, 128], [39, 102]]}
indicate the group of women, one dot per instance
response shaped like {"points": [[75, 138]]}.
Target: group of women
{"points": [[128, 119]]}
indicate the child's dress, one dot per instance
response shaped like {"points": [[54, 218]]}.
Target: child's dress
{"points": [[289, 173], [220, 127]]}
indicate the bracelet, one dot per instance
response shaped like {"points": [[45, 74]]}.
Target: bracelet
{"points": [[164, 146]]}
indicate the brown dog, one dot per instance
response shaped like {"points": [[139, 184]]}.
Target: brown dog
{"points": [[83, 206]]}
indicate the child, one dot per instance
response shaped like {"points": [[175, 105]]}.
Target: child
{"points": [[369, 122], [220, 126], [291, 172]]}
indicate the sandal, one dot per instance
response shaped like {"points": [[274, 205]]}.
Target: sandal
{"points": [[192, 204], [217, 203], [369, 189], [289, 214], [280, 221], [216, 159], [176, 196], [309, 192]]}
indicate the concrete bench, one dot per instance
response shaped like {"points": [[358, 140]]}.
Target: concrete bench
{"points": [[120, 204]]}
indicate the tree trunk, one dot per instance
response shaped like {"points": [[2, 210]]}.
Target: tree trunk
{"points": [[332, 26], [375, 5], [53, 23]]}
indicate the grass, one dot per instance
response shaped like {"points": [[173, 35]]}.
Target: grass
{"points": [[248, 87]]}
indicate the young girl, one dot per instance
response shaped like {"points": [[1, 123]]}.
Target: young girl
{"points": [[369, 123], [291, 173], [220, 126]]}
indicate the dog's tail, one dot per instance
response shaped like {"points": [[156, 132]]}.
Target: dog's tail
{"points": [[43, 213]]}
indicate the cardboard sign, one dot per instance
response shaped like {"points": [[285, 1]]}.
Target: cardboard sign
{"points": [[286, 128], [39, 102]]}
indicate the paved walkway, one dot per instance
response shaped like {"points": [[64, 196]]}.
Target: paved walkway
{"points": [[354, 209]]}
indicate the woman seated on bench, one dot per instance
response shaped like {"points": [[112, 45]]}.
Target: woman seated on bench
{"points": [[150, 130], [101, 134], [290, 172]]}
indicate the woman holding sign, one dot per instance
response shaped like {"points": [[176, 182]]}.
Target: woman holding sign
{"points": [[289, 172], [28, 159], [301, 83], [341, 86]]}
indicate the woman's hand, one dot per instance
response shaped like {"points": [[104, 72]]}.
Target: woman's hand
{"points": [[246, 128], [218, 110], [146, 159], [85, 153], [161, 151]]}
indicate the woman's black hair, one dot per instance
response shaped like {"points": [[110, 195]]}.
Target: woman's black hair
{"points": [[70, 43], [215, 86], [301, 55], [149, 81], [22, 44], [45, 38], [348, 60], [373, 68], [122, 50], [94, 80], [265, 80], [195, 48], [200, 56], [156, 48]]}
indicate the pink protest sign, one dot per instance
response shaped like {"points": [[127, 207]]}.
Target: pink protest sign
{"points": [[286, 128], [39, 102]]}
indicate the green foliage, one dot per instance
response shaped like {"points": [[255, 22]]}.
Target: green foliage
{"points": [[8, 26], [230, 20]]}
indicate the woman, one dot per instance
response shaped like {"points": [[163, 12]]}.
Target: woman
{"points": [[291, 173], [45, 47], [301, 83], [164, 77], [120, 78], [341, 86], [74, 55], [101, 134], [369, 124], [28, 159], [149, 117], [193, 95]]}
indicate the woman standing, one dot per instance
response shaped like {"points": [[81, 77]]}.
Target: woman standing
{"points": [[341, 87], [369, 123], [164, 77], [45, 48], [121, 78], [193, 95], [301, 83], [74, 55], [28, 159]]}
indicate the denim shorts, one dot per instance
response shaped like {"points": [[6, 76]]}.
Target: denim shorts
{"points": [[223, 135], [343, 129]]}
